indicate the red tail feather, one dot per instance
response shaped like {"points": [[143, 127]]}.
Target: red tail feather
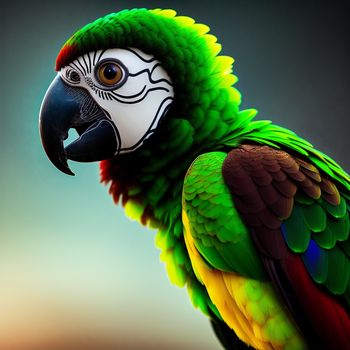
{"points": [[328, 317]]}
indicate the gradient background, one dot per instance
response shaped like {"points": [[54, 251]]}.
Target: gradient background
{"points": [[74, 272]]}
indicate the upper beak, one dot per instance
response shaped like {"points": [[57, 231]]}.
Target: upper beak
{"points": [[66, 107]]}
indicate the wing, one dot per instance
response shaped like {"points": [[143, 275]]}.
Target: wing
{"points": [[226, 261], [299, 221]]}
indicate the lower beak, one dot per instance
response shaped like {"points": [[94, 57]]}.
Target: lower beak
{"points": [[66, 107]]}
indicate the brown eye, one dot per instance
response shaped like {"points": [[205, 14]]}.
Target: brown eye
{"points": [[110, 74]]}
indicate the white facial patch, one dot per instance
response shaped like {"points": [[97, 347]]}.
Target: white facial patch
{"points": [[136, 102]]}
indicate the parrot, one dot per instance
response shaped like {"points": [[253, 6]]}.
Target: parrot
{"points": [[251, 218]]}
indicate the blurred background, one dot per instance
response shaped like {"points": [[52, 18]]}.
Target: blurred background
{"points": [[75, 274]]}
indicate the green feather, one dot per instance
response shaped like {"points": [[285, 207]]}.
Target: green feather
{"points": [[339, 227], [297, 234], [210, 253], [345, 245], [338, 211], [338, 271], [325, 239], [315, 217]]}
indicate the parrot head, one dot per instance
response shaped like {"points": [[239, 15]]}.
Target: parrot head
{"points": [[123, 77], [114, 99]]}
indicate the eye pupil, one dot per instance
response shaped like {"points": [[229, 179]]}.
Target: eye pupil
{"points": [[110, 71], [74, 76]]}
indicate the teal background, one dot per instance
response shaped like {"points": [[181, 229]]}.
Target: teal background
{"points": [[75, 273]]}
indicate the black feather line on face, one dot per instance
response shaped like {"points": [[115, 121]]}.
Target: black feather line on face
{"points": [[149, 73], [150, 130], [140, 57], [90, 67], [86, 65], [142, 98], [82, 67], [130, 96]]}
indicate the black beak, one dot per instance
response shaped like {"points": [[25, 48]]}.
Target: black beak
{"points": [[66, 107]]}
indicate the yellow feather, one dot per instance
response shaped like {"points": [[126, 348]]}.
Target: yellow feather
{"points": [[201, 28], [215, 48], [227, 81], [185, 21], [176, 275], [223, 65], [167, 13], [210, 39], [134, 210]]}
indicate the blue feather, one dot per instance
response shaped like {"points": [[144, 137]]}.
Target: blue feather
{"points": [[316, 261]]}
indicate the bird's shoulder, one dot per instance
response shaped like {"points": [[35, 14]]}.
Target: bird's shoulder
{"points": [[219, 233]]}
